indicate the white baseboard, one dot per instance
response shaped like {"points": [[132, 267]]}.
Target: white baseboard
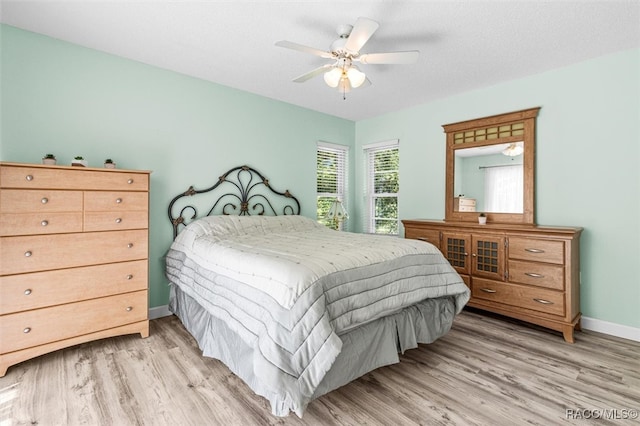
{"points": [[611, 328], [587, 323], [159, 312]]}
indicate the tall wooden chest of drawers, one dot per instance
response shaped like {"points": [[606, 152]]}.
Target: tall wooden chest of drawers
{"points": [[74, 257], [527, 272]]}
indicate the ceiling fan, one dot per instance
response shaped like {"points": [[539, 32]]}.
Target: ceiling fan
{"points": [[341, 73]]}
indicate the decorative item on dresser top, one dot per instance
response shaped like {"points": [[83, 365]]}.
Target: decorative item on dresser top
{"points": [[74, 246], [512, 266]]}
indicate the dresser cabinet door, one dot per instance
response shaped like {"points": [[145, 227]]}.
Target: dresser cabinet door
{"points": [[488, 256], [456, 247]]}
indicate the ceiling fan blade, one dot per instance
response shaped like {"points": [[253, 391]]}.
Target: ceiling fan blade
{"points": [[311, 74], [302, 48], [360, 34], [409, 57]]}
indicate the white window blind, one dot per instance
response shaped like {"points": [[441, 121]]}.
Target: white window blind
{"points": [[382, 163], [331, 178]]}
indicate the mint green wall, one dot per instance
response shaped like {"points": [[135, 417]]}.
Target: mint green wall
{"points": [[587, 173], [64, 99]]}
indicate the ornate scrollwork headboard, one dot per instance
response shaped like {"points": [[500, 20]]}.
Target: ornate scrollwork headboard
{"points": [[245, 192]]}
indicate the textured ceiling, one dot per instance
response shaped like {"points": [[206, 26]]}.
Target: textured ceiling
{"points": [[464, 45]]}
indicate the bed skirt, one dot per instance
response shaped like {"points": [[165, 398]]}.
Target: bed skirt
{"points": [[364, 349]]}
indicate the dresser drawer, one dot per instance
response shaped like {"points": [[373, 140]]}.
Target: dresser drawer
{"points": [[21, 201], [538, 274], [548, 251], [39, 326], [464, 204], [40, 289], [108, 221], [46, 252], [534, 298], [26, 177], [39, 223], [115, 201], [427, 235]]}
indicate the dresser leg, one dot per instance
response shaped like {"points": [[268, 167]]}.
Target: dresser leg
{"points": [[567, 332]]}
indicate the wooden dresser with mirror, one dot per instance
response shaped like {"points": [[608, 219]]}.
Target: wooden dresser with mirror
{"points": [[512, 266]]}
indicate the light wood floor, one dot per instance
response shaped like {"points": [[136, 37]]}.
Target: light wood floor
{"points": [[486, 371]]}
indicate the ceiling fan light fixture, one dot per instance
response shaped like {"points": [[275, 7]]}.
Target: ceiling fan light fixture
{"points": [[356, 77], [344, 86], [513, 150], [333, 77]]}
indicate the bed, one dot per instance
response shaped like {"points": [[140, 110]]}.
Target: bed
{"points": [[293, 308]]}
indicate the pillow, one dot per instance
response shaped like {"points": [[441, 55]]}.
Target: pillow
{"points": [[224, 226]]}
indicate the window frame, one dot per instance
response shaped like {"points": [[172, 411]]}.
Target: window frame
{"points": [[342, 178], [369, 219]]}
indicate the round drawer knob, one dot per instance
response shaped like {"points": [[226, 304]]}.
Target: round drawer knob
{"points": [[26, 330], [118, 220], [44, 200], [29, 178], [129, 245], [44, 223], [118, 200], [129, 309], [129, 277], [130, 181], [28, 253], [27, 292]]}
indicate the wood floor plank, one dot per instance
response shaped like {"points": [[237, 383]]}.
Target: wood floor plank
{"points": [[488, 370]]}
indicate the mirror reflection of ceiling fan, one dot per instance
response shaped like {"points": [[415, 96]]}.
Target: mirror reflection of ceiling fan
{"points": [[341, 73]]}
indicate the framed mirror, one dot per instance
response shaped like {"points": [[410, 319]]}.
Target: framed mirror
{"points": [[490, 168]]}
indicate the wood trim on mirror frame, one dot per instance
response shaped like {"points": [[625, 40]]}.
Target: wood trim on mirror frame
{"points": [[528, 117]]}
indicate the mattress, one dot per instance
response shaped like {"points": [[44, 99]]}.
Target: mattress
{"points": [[290, 288]]}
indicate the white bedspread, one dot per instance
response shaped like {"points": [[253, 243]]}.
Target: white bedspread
{"points": [[290, 287]]}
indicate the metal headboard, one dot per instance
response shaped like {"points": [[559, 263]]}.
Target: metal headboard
{"points": [[248, 193]]}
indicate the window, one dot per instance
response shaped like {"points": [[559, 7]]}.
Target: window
{"points": [[331, 178], [382, 162], [503, 189]]}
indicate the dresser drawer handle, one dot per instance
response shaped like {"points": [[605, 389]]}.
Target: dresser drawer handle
{"points": [[130, 245], [130, 181], [118, 220], [26, 330], [28, 253], [129, 277], [44, 223], [27, 292], [129, 308], [530, 250], [533, 275], [423, 239], [488, 290], [544, 302], [118, 200], [29, 178], [44, 200]]}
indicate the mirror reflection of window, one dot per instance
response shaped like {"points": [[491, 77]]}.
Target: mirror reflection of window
{"points": [[493, 175], [503, 189]]}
